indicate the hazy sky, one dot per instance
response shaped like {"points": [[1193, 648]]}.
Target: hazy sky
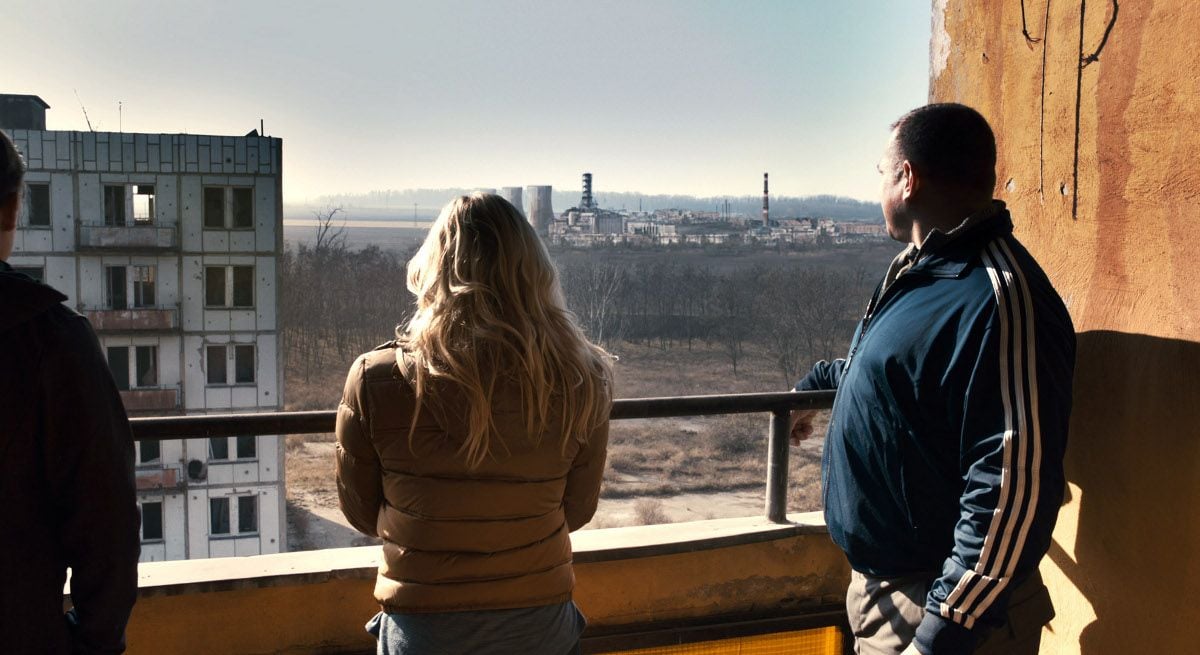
{"points": [[650, 95]]}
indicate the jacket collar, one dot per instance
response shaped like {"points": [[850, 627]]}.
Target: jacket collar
{"points": [[948, 254]]}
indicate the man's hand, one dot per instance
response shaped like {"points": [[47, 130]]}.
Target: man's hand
{"points": [[801, 425]]}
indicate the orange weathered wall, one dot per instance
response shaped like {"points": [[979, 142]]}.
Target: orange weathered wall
{"points": [[1100, 163]]}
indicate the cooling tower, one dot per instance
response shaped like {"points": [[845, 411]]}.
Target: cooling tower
{"points": [[513, 195], [541, 213]]}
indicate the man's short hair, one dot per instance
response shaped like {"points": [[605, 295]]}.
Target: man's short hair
{"points": [[12, 168], [950, 144]]}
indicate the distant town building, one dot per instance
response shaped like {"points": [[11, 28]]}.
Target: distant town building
{"points": [[169, 244]]}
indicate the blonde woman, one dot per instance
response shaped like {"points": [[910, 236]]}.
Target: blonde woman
{"points": [[474, 443]]}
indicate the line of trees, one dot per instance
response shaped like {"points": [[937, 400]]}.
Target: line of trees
{"points": [[338, 302]]}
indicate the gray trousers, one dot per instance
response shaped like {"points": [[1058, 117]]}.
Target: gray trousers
{"points": [[884, 614]]}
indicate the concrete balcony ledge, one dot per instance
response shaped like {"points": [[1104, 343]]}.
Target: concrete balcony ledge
{"points": [[165, 399], [138, 237], [131, 320], [317, 602]]}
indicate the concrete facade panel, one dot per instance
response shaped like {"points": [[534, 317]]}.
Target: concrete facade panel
{"points": [[191, 199], [60, 274], [216, 241]]}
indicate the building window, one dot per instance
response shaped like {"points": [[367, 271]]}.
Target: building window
{"points": [[143, 204], [114, 205], [228, 208], [218, 516], [38, 204], [221, 520], [118, 363], [247, 447], [214, 286], [146, 366], [152, 521], [36, 272], [243, 364], [143, 286], [149, 452], [215, 357], [247, 514], [229, 286], [218, 448], [114, 287]]}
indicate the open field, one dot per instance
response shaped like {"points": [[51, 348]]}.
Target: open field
{"points": [[659, 470]]}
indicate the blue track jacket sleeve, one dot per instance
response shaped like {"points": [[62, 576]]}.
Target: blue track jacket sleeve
{"points": [[824, 376], [1016, 372]]}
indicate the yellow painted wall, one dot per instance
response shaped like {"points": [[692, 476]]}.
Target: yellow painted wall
{"points": [[1100, 165], [317, 614]]}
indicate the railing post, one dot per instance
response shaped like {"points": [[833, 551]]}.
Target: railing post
{"points": [[777, 466]]}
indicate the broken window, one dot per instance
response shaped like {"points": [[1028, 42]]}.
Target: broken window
{"points": [[218, 448], [143, 286], [114, 287], [36, 272], [148, 452], [214, 207], [221, 291], [243, 207], [218, 516], [247, 447], [216, 365], [152, 521], [38, 204], [146, 366], [228, 208], [243, 364], [118, 364], [247, 514], [114, 205], [243, 286], [214, 286], [143, 204]]}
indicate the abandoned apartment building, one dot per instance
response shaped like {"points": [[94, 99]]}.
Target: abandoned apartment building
{"points": [[169, 244]]}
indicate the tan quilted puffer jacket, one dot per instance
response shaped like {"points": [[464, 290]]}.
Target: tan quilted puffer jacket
{"points": [[457, 539]]}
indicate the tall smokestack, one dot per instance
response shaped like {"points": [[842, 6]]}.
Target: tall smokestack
{"points": [[766, 207], [586, 203]]}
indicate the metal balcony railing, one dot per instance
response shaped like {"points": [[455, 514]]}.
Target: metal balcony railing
{"points": [[314, 422]]}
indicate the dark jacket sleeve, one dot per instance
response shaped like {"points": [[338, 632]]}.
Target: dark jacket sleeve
{"points": [[824, 376], [583, 480], [1014, 419], [359, 476], [89, 465]]}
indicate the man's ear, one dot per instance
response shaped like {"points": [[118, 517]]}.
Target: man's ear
{"points": [[912, 179], [9, 209]]}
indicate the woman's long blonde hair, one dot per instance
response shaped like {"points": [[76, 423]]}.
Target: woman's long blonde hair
{"points": [[490, 312]]}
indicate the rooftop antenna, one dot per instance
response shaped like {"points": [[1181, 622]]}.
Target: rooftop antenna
{"points": [[85, 116], [120, 123]]}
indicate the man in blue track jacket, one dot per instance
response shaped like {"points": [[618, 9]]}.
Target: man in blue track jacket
{"points": [[943, 467]]}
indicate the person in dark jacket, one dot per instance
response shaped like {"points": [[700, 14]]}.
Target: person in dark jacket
{"points": [[67, 497], [943, 465]]}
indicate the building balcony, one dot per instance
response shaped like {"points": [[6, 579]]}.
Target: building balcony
{"points": [[158, 399], [702, 587], [133, 320], [747, 580], [127, 237]]}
